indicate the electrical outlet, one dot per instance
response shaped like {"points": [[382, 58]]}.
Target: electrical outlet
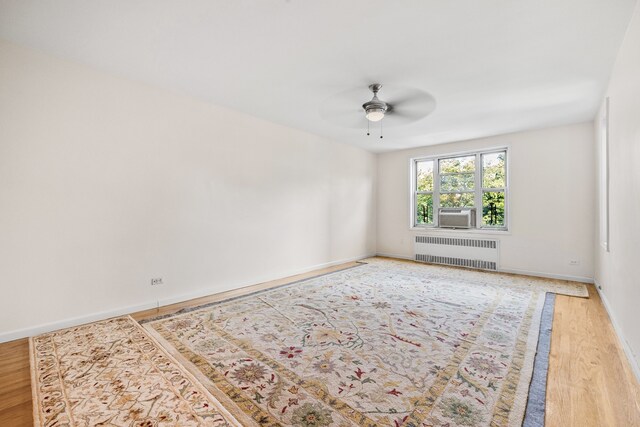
{"points": [[156, 281], [574, 262]]}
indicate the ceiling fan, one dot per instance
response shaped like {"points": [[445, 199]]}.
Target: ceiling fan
{"points": [[400, 106]]}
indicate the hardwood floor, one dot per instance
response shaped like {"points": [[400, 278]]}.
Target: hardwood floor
{"points": [[590, 381], [15, 384]]}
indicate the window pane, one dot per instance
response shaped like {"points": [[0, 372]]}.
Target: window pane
{"points": [[493, 170], [424, 176], [424, 209], [493, 209], [458, 164], [456, 200], [457, 182]]}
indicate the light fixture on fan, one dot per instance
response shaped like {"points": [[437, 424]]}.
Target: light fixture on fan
{"points": [[375, 114], [375, 109]]}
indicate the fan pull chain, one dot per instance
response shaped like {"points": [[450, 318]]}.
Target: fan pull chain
{"points": [[368, 128], [380, 129]]}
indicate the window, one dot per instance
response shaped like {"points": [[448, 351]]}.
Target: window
{"points": [[457, 177], [424, 193], [472, 180]]}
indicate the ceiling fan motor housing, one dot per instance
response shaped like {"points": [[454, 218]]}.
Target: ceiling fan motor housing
{"points": [[375, 109]]}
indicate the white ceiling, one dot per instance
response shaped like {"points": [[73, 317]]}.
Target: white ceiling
{"points": [[493, 66]]}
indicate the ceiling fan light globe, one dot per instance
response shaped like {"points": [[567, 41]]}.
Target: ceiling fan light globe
{"points": [[375, 115]]}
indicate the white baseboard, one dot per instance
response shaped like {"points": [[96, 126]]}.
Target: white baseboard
{"points": [[633, 361], [547, 275], [388, 255], [513, 271], [94, 317], [73, 321], [209, 291]]}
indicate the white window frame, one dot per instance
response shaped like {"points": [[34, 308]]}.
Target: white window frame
{"points": [[478, 189]]}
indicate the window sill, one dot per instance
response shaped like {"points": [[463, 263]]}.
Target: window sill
{"points": [[461, 230]]}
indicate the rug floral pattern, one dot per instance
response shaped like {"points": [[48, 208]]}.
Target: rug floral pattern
{"points": [[387, 343], [112, 373]]}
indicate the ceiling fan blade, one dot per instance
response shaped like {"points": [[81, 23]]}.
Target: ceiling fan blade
{"points": [[412, 106]]}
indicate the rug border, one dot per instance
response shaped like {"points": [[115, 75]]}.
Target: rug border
{"points": [[539, 378], [520, 401], [583, 294], [360, 263], [238, 297], [35, 401]]}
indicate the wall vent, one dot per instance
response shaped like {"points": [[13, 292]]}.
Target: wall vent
{"points": [[460, 252], [453, 241], [459, 262]]}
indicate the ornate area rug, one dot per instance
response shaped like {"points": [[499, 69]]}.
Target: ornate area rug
{"points": [[387, 343], [111, 373]]}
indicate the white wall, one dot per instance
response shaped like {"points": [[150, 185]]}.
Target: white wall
{"points": [[617, 271], [548, 168], [106, 183]]}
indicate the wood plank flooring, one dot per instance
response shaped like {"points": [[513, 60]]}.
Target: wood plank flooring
{"points": [[590, 381], [15, 384]]}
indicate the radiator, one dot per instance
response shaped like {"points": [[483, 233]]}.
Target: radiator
{"points": [[472, 253]]}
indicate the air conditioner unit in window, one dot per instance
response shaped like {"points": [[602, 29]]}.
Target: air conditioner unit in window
{"points": [[457, 218]]}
